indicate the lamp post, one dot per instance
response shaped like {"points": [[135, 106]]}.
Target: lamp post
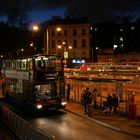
{"points": [[35, 29], [65, 48], [47, 51], [94, 57], [65, 54]]}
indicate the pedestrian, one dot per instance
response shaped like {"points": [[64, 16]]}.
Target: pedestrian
{"points": [[108, 104], [109, 100], [95, 98], [68, 92], [87, 96], [115, 102]]}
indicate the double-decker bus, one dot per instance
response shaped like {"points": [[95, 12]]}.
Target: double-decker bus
{"points": [[36, 82]]}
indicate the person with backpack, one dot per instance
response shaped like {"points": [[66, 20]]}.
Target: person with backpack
{"points": [[87, 96]]}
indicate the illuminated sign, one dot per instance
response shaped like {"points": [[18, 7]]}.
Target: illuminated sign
{"points": [[43, 76], [49, 76], [78, 61]]}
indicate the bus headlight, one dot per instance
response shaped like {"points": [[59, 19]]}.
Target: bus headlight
{"points": [[63, 103], [39, 106]]}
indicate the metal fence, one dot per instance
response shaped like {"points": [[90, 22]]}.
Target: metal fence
{"points": [[23, 129]]}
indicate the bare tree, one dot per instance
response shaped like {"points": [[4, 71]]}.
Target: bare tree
{"points": [[18, 17]]}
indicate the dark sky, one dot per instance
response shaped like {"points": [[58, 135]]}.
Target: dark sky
{"points": [[96, 10]]}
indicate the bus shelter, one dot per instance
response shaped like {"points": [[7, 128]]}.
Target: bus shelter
{"points": [[103, 87]]}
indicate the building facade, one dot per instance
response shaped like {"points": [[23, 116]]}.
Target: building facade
{"points": [[107, 42], [70, 37]]}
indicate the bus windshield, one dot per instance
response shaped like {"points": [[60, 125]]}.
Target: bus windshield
{"points": [[51, 62]]}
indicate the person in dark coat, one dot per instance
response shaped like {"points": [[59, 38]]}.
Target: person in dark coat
{"points": [[108, 104], [68, 92], [87, 96], [109, 99], [115, 102]]}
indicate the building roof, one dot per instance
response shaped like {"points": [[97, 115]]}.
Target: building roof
{"points": [[59, 20]]}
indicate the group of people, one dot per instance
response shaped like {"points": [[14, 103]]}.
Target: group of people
{"points": [[111, 103], [90, 98]]}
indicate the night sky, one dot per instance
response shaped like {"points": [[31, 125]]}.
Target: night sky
{"points": [[96, 10]]}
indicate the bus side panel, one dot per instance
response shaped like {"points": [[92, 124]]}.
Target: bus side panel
{"points": [[26, 86]]}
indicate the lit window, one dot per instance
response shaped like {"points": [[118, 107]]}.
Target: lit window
{"points": [[132, 28], [121, 38], [121, 45], [115, 46], [95, 29]]}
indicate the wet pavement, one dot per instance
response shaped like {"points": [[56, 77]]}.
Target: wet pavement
{"points": [[118, 122]]}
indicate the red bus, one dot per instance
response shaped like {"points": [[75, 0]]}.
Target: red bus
{"points": [[36, 82]]}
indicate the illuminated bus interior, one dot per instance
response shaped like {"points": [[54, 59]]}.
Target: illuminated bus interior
{"points": [[48, 62]]}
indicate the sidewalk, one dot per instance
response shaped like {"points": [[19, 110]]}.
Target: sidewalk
{"points": [[113, 121]]}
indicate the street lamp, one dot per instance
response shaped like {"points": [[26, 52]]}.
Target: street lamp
{"points": [[37, 38], [35, 28], [65, 52], [58, 29], [65, 48]]}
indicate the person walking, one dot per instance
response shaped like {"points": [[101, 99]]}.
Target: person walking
{"points": [[68, 92], [109, 98], [95, 98], [87, 96], [115, 102], [109, 102]]}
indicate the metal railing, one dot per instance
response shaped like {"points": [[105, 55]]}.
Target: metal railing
{"points": [[23, 129]]}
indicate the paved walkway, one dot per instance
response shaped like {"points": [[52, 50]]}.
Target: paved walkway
{"points": [[117, 122]]}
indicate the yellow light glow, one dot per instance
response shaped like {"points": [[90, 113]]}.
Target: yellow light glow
{"points": [[35, 28], [58, 29], [59, 46], [70, 47]]}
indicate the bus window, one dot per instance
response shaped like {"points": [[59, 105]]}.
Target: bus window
{"points": [[40, 63], [48, 91], [31, 65], [23, 64], [58, 64], [18, 64]]}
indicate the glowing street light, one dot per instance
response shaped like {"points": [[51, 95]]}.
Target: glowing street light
{"points": [[58, 29], [35, 28]]}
